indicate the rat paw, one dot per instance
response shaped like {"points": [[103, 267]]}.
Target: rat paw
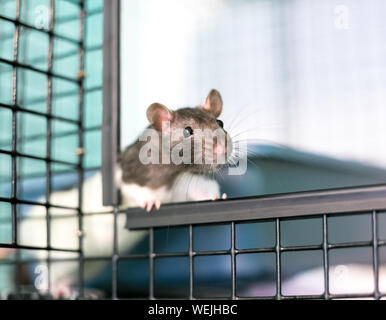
{"points": [[62, 290], [148, 205], [216, 197]]}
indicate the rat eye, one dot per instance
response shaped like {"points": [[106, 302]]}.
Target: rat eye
{"points": [[188, 131], [220, 123]]}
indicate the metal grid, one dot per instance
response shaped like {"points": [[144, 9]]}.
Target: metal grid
{"points": [[16, 109], [279, 248]]}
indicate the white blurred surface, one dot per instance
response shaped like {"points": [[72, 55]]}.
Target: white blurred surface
{"points": [[307, 74]]}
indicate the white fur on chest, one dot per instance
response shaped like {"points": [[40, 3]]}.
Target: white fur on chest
{"points": [[193, 187], [186, 187], [134, 195]]}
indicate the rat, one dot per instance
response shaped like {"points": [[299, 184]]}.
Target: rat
{"points": [[146, 185], [149, 185]]}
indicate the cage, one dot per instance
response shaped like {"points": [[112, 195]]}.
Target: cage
{"points": [[307, 237]]}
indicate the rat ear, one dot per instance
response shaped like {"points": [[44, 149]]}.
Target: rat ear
{"points": [[157, 113], [213, 102]]}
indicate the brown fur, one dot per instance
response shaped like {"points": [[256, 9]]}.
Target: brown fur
{"points": [[157, 175]]}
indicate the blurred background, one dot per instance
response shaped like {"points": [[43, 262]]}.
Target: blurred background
{"points": [[302, 82]]}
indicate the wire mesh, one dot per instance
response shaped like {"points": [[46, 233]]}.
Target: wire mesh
{"points": [[43, 117], [279, 285]]}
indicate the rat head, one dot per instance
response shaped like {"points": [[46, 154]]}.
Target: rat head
{"points": [[195, 137]]}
